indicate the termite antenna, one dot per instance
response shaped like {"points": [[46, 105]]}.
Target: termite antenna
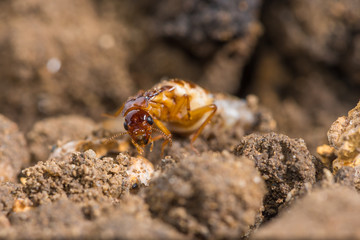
{"points": [[161, 132], [113, 137]]}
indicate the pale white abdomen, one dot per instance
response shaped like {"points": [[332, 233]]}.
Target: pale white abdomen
{"points": [[199, 98]]}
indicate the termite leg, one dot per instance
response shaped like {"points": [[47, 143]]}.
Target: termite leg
{"points": [[180, 102], [166, 134], [167, 141], [158, 137], [152, 143], [117, 113], [197, 113]]}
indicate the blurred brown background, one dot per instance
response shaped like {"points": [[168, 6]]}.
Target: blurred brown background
{"points": [[300, 57]]}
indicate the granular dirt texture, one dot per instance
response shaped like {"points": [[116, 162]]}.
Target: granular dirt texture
{"points": [[14, 153], [7, 196], [80, 177], [284, 163], [60, 56], [340, 130], [342, 155], [344, 137], [348, 176], [331, 213], [54, 131], [214, 195]]}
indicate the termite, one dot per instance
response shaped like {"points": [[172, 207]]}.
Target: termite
{"points": [[170, 106]]}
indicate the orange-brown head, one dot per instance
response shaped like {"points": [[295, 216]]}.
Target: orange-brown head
{"points": [[138, 123]]}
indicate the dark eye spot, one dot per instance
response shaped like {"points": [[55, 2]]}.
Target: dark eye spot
{"points": [[126, 126], [149, 120], [135, 185]]}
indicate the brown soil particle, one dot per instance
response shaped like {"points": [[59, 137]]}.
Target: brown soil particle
{"points": [[343, 154], [331, 213], [284, 163], [348, 176], [7, 190], [13, 150], [80, 177], [56, 131], [215, 195], [344, 136]]}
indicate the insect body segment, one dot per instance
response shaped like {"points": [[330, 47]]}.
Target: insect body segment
{"points": [[174, 105]]}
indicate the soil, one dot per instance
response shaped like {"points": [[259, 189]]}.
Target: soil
{"points": [[280, 159], [14, 154], [329, 213], [230, 190], [206, 41], [48, 133], [285, 164], [66, 219]]}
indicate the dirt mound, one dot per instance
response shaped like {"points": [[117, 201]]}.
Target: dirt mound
{"points": [[66, 219], [315, 217], [50, 132], [14, 153], [215, 195], [284, 163], [80, 177]]}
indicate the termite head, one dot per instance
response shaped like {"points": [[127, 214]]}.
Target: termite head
{"points": [[138, 123]]}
